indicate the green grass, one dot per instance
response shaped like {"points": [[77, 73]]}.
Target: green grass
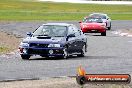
{"points": [[31, 10]]}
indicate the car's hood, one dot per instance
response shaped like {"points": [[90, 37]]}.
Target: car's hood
{"points": [[45, 40]]}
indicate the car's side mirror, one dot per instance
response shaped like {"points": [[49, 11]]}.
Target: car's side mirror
{"points": [[29, 34], [69, 36]]}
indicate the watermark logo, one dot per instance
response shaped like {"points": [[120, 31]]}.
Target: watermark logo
{"points": [[83, 78]]}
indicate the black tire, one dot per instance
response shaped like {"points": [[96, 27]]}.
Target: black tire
{"points": [[109, 28], [103, 33], [83, 52], [25, 57]]}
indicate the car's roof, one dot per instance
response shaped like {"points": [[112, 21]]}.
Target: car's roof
{"points": [[98, 14], [60, 24]]}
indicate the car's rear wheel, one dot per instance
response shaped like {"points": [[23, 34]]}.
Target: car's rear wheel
{"points": [[83, 52], [25, 57], [103, 33]]}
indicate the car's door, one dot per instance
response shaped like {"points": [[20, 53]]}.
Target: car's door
{"points": [[78, 42], [71, 40], [81, 39]]}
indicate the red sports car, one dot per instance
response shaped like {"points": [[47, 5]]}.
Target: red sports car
{"points": [[93, 25]]}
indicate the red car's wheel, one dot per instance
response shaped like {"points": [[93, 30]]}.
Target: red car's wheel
{"points": [[103, 33]]}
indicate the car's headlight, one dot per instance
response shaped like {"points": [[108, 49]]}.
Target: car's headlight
{"points": [[103, 25], [24, 44], [84, 26], [54, 45]]}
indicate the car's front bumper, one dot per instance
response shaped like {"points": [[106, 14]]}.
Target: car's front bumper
{"points": [[58, 51], [94, 30]]}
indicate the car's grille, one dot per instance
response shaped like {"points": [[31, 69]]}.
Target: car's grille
{"points": [[37, 51], [43, 51], [37, 45]]}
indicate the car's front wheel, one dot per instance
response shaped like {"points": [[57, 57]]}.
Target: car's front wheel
{"points": [[25, 57], [65, 53], [103, 33], [83, 52]]}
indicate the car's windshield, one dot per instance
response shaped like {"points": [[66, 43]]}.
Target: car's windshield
{"points": [[91, 20], [51, 30]]}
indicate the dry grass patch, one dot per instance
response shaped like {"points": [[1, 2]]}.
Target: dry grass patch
{"points": [[8, 42]]}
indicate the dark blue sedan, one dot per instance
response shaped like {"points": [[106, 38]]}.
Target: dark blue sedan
{"points": [[54, 40]]}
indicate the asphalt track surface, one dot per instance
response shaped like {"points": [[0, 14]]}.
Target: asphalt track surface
{"points": [[106, 54]]}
